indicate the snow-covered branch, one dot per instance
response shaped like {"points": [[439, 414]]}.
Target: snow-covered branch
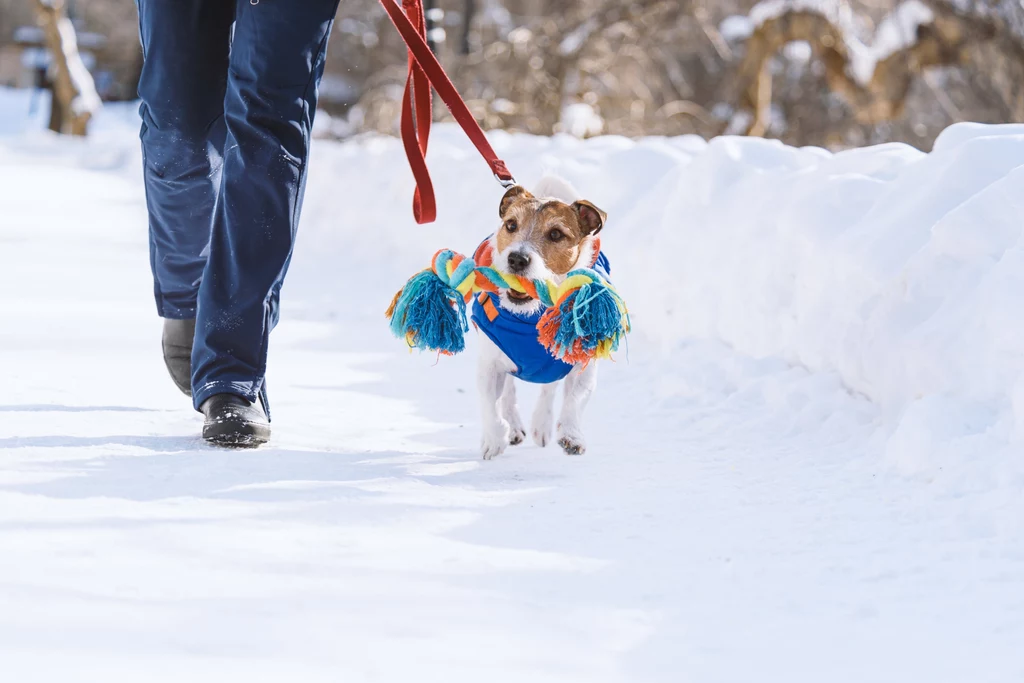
{"points": [[74, 93], [872, 77]]}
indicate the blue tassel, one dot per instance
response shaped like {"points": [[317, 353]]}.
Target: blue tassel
{"points": [[587, 324], [430, 315]]}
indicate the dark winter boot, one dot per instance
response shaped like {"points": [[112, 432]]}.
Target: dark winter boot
{"points": [[234, 422], [178, 338]]}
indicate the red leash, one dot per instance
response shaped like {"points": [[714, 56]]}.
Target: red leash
{"points": [[424, 71]]}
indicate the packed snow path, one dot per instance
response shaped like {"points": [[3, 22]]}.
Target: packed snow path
{"points": [[734, 519]]}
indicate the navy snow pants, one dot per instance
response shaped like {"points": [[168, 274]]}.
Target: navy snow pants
{"points": [[228, 89]]}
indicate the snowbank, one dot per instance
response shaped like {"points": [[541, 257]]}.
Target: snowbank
{"points": [[898, 270]]}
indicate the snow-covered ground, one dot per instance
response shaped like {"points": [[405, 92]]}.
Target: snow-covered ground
{"points": [[807, 469]]}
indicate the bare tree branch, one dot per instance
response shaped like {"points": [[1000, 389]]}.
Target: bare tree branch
{"points": [[873, 80]]}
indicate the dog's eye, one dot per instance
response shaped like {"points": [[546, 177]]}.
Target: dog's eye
{"points": [[556, 235], [511, 225]]}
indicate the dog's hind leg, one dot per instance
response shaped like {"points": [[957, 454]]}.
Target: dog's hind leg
{"points": [[543, 421], [510, 411], [579, 387]]}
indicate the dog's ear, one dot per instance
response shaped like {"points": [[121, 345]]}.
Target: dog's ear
{"points": [[514, 193], [591, 218]]}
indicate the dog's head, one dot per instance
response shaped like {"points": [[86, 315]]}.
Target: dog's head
{"points": [[543, 239]]}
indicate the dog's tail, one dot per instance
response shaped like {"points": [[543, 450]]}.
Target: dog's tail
{"points": [[554, 187]]}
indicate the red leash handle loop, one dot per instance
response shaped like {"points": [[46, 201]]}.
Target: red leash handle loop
{"points": [[424, 71]]}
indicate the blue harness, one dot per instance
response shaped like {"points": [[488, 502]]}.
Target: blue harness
{"points": [[516, 336]]}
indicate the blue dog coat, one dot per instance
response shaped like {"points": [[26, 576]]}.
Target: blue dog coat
{"points": [[516, 334]]}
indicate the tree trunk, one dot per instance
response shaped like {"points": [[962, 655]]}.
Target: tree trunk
{"points": [[428, 8], [74, 93], [467, 26]]}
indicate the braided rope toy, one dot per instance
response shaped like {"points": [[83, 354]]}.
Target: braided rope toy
{"points": [[585, 317]]}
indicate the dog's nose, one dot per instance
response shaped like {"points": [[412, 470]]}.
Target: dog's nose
{"points": [[518, 261]]}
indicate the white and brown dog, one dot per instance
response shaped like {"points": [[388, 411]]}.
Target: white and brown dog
{"points": [[543, 236]]}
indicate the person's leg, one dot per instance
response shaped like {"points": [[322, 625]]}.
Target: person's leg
{"points": [[275, 67], [185, 47]]}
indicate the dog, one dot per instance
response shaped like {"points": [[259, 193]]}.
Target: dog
{"points": [[543, 236]]}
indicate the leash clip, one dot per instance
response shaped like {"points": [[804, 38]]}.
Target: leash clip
{"points": [[505, 182]]}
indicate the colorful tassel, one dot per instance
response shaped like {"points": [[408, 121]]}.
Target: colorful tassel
{"points": [[585, 317], [588, 320], [429, 315]]}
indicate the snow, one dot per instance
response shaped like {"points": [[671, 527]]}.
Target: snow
{"points": [[835, 10], [806, 467], [576, 39], [437, 35], [798, 51], [334, 88], [735, 27], [739, 122], [898, 30], [494, 13], [28, 34], [581, 120], [86, 100]]}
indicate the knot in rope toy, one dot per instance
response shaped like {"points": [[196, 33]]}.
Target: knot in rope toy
{"points": [[585, 317]]}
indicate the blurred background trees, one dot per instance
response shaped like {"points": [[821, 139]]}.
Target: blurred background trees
{"points": [[810, 72]]}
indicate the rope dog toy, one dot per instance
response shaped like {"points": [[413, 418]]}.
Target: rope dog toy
{"points": [[585, 317]]}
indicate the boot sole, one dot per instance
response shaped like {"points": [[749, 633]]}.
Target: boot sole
{"points": [[236, 435]]}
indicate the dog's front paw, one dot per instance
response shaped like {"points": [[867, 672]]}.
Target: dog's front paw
{"points": [[494, 441], [571, 441], [518, 436]]}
